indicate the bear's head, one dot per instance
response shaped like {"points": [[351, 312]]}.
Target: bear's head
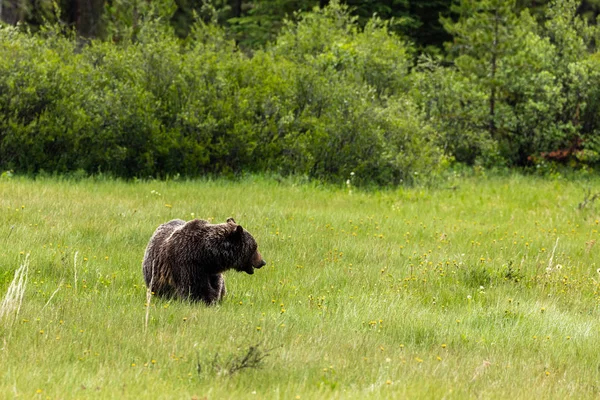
{"points": [[249, 257]]}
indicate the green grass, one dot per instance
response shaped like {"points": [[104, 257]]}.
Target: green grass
{"points": [[487, 289]]}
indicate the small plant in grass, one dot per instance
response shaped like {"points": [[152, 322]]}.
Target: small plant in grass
{"points": [[588, 199], [249, 358]]}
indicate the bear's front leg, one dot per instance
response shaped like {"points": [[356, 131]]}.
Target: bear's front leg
{"points": [[203, 289]]}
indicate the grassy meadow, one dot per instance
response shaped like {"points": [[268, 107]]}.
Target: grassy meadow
{"points": [[480, 288]]}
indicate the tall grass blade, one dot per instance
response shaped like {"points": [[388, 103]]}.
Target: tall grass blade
{"points": [[11, 304]]}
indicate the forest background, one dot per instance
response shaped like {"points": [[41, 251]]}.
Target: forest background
{"points": [[380, 92]]}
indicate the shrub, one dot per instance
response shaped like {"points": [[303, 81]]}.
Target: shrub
{"points": [[325, 100]]}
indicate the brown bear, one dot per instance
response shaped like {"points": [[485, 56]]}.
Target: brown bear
{"points": [[187, 259]]}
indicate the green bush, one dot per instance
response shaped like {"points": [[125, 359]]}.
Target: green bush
{"points": [[33, 84], [325, 99], [453, 105], [329, 40]]}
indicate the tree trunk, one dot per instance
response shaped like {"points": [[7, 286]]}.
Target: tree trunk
{"points": [[494, 62], [236, 8], [11, 11], [86, 15]]}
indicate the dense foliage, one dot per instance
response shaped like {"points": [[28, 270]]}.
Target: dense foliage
{"points": [[332, 96]]}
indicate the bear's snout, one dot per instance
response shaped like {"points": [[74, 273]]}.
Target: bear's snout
{"points": [[257, 260], [255, 264]]}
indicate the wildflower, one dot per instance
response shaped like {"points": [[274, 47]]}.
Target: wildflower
{"points": [[419, 360], [443, 345], [388, 382]]}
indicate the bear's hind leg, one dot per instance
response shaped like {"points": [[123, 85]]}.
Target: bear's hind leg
{"points": [[218, 284]]}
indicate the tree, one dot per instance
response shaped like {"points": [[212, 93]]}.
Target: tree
{"points": [[483, 36], [537, 79]]}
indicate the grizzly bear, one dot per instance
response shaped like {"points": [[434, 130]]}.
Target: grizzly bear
{"points": [[187, 259]]}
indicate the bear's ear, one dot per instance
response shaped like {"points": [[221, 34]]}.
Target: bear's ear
{"points": [[231, 221], [237, 232]]}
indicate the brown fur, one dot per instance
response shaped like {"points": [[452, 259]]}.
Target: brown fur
{"points": [[187, 259]]}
